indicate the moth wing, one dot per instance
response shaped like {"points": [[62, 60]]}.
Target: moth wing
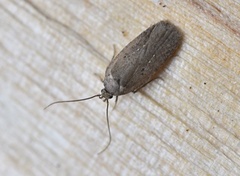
{"points": [[123, 65], [141, 59]]}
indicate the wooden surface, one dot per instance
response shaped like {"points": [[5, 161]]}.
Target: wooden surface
{"points": [[186, 123]]}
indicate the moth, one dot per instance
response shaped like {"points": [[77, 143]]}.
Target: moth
{"points": [[137, 64]]}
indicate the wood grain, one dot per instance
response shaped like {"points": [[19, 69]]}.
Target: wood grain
{"points": [[186, 123]]}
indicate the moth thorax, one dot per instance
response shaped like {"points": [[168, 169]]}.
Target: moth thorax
{"points": [[111, 85]]}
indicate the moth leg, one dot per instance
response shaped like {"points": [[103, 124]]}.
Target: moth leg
{"points": [[136, 90], [114, 52], [99, 77], [116, 99]]}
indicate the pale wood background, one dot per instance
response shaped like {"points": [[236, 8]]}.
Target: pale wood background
{"points": [[187, 123]]}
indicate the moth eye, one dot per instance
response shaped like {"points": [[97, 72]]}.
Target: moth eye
{"points": [[124, 56], [142, 69]]}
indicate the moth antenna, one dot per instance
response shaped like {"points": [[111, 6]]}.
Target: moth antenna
{"points": [[109, 131], [71, 101]]}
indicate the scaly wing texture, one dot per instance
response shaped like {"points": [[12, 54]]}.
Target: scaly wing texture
{"points": [[141, 59]]}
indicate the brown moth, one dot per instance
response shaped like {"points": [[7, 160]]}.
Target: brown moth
{"points": [[137, 64]]}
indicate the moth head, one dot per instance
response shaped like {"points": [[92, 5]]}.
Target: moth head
{"points": [[105, 94]]}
